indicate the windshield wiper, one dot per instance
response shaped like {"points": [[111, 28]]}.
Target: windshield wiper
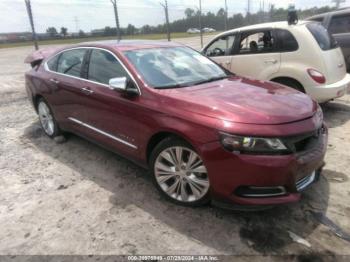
{"points": [[172, 86], [212, 79]]}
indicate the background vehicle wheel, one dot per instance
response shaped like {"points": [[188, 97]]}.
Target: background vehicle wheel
{"points": [[47, 120], [179, 173], [291, 83]]}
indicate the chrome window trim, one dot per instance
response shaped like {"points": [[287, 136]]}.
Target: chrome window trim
{"points": [[102, 132], [46, 67]]}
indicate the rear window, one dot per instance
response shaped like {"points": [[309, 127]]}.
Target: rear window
{"points": [[324, 39]]}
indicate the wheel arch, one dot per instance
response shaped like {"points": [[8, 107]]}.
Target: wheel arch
{"points": [[156, 138], [36, 99], [280, 79]]}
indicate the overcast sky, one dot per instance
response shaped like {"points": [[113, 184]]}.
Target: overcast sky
{"points": [[92, 14]]}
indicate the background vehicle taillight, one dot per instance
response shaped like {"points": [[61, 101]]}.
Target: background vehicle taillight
{"points": [[316, 76]]}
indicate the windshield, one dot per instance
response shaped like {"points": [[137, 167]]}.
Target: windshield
{"points": [[174, 67]]}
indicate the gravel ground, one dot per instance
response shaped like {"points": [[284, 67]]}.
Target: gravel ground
{"points": [[77, 198]]}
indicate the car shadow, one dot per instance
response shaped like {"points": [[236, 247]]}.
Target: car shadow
{"points": [[336, 113], [229, 232]]}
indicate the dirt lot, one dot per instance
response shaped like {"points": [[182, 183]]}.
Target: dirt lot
{"points": [[76, 198]]}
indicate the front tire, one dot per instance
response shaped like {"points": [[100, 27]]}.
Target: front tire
{"points": [[179, 173], [47, 119]]}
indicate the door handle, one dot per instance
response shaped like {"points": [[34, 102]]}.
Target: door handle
{"points": [[87, 90], [54, 81], [228, 63], [270, 61]]}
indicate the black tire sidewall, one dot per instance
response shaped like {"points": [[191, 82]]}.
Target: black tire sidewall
{"points": [[164, 144]]}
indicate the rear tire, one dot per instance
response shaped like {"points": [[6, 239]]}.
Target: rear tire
{"points": [[179, 174], [291, 83], [47, 119]]}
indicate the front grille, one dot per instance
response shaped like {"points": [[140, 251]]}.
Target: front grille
{"points": [[304, 142]]}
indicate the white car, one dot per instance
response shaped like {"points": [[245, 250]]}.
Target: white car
{"points": [[303, 56], [193, 31], [208, 30]]}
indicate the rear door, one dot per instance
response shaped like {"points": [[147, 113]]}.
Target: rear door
{"points": [[64, 77], [333, 59], [256, 54], [221, 49]]}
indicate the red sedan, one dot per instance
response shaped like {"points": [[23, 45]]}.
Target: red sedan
{"points": [[204, 133]]}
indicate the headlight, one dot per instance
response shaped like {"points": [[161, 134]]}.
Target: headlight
{"points": [[252, 145]]}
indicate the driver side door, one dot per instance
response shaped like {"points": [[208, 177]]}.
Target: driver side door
{"points": [[221, 50]]}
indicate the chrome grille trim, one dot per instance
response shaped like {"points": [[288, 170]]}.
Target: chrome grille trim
{"points": [[304, 182]]}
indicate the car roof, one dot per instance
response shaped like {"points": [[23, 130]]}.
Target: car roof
{"points": [[282, 25], [343, 11], [125, 45]]}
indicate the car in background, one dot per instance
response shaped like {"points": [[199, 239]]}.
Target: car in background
{"points": [[193, 31], [338, 24], [204, 133], [208, 30], [303, 56]]}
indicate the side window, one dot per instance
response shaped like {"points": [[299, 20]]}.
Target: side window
{"points": [[340, 24], [104, 66], [70, 62], [221, 46], [286, 41], [257, 42], [52, 63]]}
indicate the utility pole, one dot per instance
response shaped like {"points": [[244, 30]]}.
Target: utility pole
{"points": [[337, 2], [200, 22], [226, 15], [263, 10], [248, 11], [30, 15], [114, 2], [165, 6], [76, 20]]}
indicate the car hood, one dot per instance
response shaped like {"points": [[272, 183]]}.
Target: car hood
{"points": [[243, 100]]}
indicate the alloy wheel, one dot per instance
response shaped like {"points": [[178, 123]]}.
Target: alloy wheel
{"points": [[181, 174], [46, 118]]}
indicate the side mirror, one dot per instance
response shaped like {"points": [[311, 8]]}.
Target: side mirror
{"points": [[123, 84], [118, 83]]}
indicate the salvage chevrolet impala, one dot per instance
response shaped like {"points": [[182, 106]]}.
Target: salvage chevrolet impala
{"points": [[204, 133]]}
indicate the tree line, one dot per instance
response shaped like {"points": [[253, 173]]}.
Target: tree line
{"points": [[209, 19]]}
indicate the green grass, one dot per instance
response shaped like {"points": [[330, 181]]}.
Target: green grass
{"points": [[86, 39]]}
